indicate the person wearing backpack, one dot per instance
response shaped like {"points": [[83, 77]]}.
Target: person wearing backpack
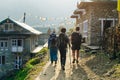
{"points": [[52, 46], [76, 38], [63, 41]]}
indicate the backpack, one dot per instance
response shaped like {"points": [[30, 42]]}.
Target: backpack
{"points": [[52, 41], [76, 38], [62, 40]]}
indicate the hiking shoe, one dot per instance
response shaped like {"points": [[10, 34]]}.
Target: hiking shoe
{"points": [[55, 62], [73, 61], [63, 67], [51, 62], [77, 61]]}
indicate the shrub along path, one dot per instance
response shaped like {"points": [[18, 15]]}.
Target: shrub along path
{"points": [[90, 67]]}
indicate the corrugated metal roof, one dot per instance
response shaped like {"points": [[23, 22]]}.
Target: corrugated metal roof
{"points": [[27, 27], [78, 11], [82, 5], [37, 49], [23, 25]]}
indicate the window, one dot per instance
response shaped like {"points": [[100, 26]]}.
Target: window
{"points": [[1, 27], [85, 28], [106, 23], [2, 59], [17, 42], [18, 62], [14, 41], [1, 44], [4, 44], [8, 27]]}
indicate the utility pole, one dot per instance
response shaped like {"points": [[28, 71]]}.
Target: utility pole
{"points": [[24, 17]]}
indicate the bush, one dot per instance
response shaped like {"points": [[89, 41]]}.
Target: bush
{"points": [[118, 55], [42, 52], [35, 61]]}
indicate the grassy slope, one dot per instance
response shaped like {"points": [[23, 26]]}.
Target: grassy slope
{"points": [[103, 67], [31, 69]]}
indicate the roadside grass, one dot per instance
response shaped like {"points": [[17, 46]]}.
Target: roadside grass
{"points": [[116, 69], [32, 68], [35, 71]]}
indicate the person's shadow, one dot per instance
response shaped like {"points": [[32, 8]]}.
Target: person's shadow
{"points": [[48, 72], [61, 75], [78, 73]]}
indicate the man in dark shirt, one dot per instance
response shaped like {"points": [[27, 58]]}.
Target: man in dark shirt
{"points": [[76, 38]]}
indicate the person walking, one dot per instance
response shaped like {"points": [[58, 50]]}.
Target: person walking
{"points": [[63, 41], [76, 38], [52, 46]]}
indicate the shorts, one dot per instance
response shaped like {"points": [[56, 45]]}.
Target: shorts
{"points": [[75, 47]]}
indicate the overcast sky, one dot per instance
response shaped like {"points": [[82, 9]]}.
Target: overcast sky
{"points": [[44, 8]]}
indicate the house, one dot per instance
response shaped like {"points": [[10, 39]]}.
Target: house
{"points": [[17, 41], [94, 18]]}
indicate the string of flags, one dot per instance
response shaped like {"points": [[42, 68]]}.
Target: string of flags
{"points": [[61, 21]]}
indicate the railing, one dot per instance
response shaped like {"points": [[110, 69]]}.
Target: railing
{"points": [[17, 49], [37, 49]]}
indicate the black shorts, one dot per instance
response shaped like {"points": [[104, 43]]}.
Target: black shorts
{"points": [[75, 46]]}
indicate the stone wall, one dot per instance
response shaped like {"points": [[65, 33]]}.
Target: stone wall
{"points": [[93, 13]]}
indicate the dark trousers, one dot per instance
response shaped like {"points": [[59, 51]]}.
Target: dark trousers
{"points": [[62, 56]]}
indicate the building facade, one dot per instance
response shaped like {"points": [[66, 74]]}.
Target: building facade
{"points": [[94, 18], [17, 40]]}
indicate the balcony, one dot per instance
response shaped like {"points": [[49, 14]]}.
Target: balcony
{"points": [[17, 49]]}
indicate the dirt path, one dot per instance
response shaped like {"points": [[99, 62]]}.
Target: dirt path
{"points": [[72, 72]]}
